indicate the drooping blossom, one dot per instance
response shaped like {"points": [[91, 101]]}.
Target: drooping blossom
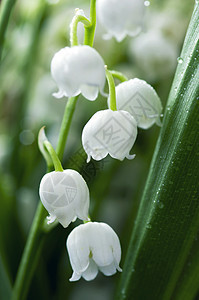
{"points": [[141, 100], [79, 69], [93, 247], [109, 132], [65, 196], [121, 18]]}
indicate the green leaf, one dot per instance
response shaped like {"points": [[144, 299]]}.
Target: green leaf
{"points": [[166, 227], [7, 6]]}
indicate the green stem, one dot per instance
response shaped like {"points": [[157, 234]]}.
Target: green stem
{"points": [[112, 95], [118, 75], [65, 126], [89, 220], [73, 30], [37, 231], [90, 30], [6, 9], [54, 157], [30, 256]]}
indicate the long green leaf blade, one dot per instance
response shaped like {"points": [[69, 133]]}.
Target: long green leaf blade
{"points": [[168, 218]]}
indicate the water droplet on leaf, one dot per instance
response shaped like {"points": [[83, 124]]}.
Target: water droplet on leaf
{"points": [[147, 3], [180, 60], [160, 204], [148, 225]]}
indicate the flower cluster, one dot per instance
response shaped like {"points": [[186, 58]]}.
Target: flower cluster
{"points": [[80, 69]]}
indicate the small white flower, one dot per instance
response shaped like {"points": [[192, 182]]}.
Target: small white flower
{"points": [[76, 70], [121, 17], [154, 54], [140, 100], [109, 132], [65, 196], [93, 246]]}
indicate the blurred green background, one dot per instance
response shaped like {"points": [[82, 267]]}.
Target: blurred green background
{"points": [[37, 29]]}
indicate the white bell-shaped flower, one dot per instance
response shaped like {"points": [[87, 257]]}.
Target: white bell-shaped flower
{"points": [[109, 132], [121, 17], [154, 54], [93, 246], [76, 70], [140, 100], [65, 196]]}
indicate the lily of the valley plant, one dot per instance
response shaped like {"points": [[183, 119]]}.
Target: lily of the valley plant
{"points": [[80, 69], [134, 103]]}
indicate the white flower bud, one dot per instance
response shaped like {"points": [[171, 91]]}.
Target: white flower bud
{"points": [[65, 196], [121, 17], [109, 132], [76, 70], [93, 246], [140, 100]]}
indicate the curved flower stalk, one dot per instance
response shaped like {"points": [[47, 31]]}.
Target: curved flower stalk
{"points": [[121, 18], [91, 247], [79, 69], [65, 196], [109, 132], [141, 100]]}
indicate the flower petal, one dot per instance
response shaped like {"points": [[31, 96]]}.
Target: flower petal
{"points": [[100, 243], [78, 249], [108, 270], [65, 215], [59, 94], [82, 198], [50, 219], [91, 271], [75, 277], [90, 92]]}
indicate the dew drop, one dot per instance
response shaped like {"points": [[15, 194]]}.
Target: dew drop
{"points": [[161, 205], [123, 292], [180, 60], [148, 225], [147, 3], [132, 270]]}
